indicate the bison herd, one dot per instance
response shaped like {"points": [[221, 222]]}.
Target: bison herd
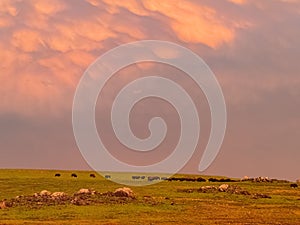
{"points": [[200, 179], [92, 175], [191, 179]]}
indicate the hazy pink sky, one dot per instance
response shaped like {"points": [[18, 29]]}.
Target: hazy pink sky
{"points": [[253, 47]]}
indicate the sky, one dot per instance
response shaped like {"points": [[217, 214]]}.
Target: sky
{"points": [[253, 48]]}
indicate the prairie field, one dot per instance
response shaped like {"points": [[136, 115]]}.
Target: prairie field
{"points": [[167, 202]]}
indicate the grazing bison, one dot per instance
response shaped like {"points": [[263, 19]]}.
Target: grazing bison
{"points": [[226, 180], [294, 185], [136, 177], [107, 176], [151, 178], [190, 179], [73, 175], [57, 174], [213, 180], [92, 175], [176, 179], [200, 179]]}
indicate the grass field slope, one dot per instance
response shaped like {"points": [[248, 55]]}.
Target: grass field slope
{"points": [[181, 201]]}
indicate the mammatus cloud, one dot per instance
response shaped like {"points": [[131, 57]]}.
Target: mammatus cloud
{"points": [[239, 2], [242, 2], [46, 45], [194, 23], [191, 22]]}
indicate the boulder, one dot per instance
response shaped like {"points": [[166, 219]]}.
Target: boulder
{"points": [[259, 195], [245, 178], [45, 193], [84, 191], [2, 205], [58, 194], [205, 189], [223, 187], [208, 187], [124, 192]]}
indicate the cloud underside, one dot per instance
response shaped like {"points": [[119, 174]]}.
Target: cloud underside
{"points": [[47, 45]]}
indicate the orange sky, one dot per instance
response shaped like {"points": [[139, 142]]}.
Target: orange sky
{"points": [[253, 47]]}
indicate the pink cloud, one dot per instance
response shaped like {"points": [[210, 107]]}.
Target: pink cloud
{"points": [[252, 46]]}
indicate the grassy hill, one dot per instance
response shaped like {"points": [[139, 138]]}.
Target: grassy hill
{"points": [[167, 202]]}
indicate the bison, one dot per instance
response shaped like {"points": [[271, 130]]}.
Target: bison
{"points": [[92, 175], [57, 175], [213, 180], [294, 185], [200, 179], [73, 175], [152, 178]]}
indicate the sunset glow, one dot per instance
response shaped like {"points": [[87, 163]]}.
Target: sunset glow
{"points": [[253, 47]]}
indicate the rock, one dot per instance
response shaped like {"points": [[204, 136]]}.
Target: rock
{"points": [[84, 191], [208, 188], [2, 205], [245, 178], [124, 192], [223, 187], [58, 195], [262, 179], [259, 195], [205, 189], [78, 201], [45, 193]]}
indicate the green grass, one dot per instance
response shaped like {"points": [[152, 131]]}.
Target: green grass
{"points": [[167, 205]]}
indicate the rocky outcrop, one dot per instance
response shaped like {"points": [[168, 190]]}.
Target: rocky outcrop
{"points": [[124, 192]]}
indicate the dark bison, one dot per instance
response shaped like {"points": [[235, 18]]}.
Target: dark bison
{"points": [[73, 175], [220, 180], [213, 180], [226, 180], [57, 174], [107, 176], [294, 185], [200, 179], [176, 179], [136, 177], [190, 179], [92, 175]]}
